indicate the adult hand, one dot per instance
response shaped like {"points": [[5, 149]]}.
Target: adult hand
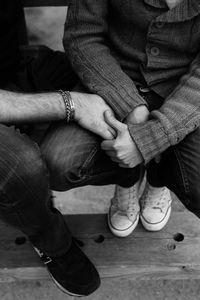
{"points": [[122, 148], [89, 113]]}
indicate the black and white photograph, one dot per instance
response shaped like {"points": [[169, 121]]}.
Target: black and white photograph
{"points": [[100, 149]]}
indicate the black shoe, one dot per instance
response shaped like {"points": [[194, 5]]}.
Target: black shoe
{"points": [[72, 272]]}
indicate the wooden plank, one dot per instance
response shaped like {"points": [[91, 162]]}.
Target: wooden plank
{"points": [[143, 255], [37, 3]]}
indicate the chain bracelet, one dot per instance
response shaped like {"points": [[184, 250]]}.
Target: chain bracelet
{"points": [[69, 105]]}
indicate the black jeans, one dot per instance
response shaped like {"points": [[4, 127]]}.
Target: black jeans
{"points": [[179, 166]]}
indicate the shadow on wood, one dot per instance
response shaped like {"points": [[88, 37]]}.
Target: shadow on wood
{"points": [[172, 253]]}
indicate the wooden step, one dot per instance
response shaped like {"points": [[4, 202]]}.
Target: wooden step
{"points": [[173, 253]]}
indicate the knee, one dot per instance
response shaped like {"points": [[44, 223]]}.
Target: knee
{"points": [[69, 167], [69, 152], [21, 167]]}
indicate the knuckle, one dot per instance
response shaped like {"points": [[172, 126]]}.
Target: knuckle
{"points": [[125, 126], [115, 146], [118, 155]]}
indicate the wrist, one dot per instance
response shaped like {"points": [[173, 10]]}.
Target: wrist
{"points": [[68, 105], [76, 98]]}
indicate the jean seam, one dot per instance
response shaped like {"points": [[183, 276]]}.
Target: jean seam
{"points": [[87, 163], [182, 171]]}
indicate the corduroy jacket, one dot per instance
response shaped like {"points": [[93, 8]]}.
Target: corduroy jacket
{"points": [[115, 44]]}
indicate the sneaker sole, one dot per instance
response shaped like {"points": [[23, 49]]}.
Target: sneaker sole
{"points": [[66, 291], [156, 226], [123, 232], [61, 287]]}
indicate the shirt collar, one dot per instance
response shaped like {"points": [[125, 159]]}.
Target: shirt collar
{"points": [[185, 10]]}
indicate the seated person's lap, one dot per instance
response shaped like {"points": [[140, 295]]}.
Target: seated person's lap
{"points": [[72, 154]]}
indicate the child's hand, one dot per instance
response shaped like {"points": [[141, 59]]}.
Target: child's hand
{"points": [[139, 115], [122, 149]]}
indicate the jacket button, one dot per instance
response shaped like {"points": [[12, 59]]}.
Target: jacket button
{"points": [[159, 24], [155, 51]]}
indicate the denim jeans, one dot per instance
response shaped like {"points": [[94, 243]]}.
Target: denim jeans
{"points": [[59, 156]]}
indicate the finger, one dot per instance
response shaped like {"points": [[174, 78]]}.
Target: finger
{"points": [[122, 165], [110, 153], [112, 132], [115, 159], [113, 122], [105, 133], [107, 145]]}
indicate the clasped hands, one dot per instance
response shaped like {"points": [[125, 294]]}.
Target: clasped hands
{"points": [[122, 149], [93, 113]]}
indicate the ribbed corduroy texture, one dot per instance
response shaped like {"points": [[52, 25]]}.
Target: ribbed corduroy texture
{"points": [[112, 44]]}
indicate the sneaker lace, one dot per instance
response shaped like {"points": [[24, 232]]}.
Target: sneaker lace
{"points": [[154, 197], [126, 201]]}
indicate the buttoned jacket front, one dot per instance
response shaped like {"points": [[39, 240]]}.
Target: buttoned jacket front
{"points": [[114, 44]]}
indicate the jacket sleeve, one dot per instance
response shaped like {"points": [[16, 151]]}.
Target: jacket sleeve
{"points": [[177, 117], [87, 46]]}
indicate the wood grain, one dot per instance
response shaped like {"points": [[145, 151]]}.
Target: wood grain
{"points": [[143, 255]]}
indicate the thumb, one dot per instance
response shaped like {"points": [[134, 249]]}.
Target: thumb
{"points": [[113, 122]]}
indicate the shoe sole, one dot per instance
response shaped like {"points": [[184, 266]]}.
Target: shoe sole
{"points": [[61, 287], [156, 226], [123, 232], [70, 293]]}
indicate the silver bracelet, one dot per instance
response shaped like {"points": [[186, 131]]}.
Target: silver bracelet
{"points": [[69, 105]]}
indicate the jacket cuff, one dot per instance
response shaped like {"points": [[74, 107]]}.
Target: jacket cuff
{"points": [[150, 139], [121, 102]]}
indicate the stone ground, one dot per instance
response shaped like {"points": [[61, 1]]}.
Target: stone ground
{"points": [[45, 27]]}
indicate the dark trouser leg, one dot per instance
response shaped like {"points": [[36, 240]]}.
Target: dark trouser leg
{"points": [[179, 170], [25, 194], [72, 154], [47, 71], [74, 159]]}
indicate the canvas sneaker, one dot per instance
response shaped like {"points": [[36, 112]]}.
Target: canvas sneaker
{"points": [[72, 272], [123, 215], [155, 206]]}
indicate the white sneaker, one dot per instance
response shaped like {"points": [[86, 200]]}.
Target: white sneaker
{"points": [[155, 207], [123, 215]]}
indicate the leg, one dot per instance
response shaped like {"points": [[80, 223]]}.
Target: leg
{"points": [[62, 145], [46, 71], [24, 203], [74, 159], [25, 194], [179, 170]]}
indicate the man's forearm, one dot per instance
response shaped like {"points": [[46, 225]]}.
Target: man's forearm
{"points": [[19, 108], [23, 108]]}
